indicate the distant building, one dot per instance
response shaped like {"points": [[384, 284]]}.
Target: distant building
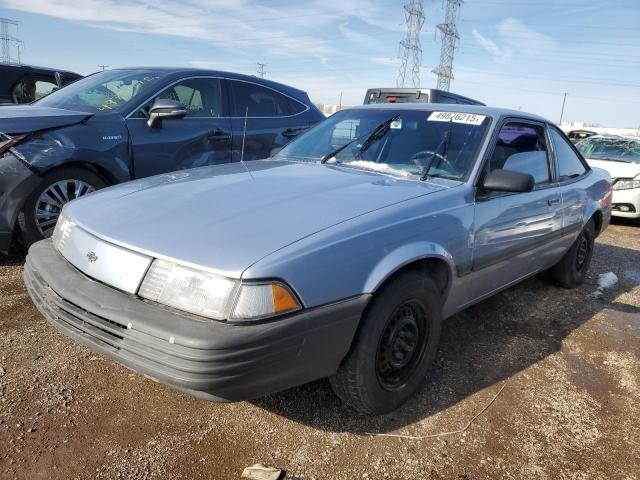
{"points": [[329, 108]]}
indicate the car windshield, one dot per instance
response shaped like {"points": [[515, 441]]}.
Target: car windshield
{"points": [[446, 143], [619, 149], [103, 92]]}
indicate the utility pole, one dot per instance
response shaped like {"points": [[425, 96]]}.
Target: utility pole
{"points": [[410, 50], [261, 71], [564, 99], [450, 37], [7, 40], [340, 106], [103, 67]]}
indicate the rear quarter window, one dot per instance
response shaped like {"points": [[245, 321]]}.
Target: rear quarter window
{"points": [[258, 101], [569, 164]]}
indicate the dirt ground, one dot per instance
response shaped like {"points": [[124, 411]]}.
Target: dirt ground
{"points": [[569, 363]]}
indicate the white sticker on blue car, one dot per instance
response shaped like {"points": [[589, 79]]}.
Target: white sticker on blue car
{"points": [[456, 117]]}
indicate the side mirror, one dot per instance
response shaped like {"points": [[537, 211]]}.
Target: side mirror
{"points": [[508, 181], [165, 109]]}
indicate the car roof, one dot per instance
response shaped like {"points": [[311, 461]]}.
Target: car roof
{"points": [[34, 69], [452, 107], [181, 71]]}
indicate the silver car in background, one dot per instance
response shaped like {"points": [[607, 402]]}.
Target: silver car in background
{"points": [[339, 257]]}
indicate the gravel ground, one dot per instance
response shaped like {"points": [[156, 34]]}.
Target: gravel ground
{"points": [[569, 364]]}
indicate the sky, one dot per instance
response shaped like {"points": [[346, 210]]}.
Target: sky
{"points": [[518, 54]]}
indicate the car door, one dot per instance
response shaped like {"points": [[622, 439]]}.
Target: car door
{"points": [[273, 119], [514, 232], [202, 137], [570, 169]]}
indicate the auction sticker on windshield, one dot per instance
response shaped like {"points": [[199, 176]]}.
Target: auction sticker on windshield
{"points": [[455, 117]]}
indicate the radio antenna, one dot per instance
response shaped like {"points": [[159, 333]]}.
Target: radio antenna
{"points": [[244, 136]]}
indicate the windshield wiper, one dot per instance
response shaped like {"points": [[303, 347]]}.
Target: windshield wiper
{"points": [[376, 134], [445, 142]]}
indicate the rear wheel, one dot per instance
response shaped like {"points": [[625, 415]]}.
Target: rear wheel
{"points": [[43, 206], [571, 270], [396, 343]]}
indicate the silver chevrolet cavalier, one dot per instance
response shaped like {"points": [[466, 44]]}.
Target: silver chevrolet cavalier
{"points": [[339, 257]]}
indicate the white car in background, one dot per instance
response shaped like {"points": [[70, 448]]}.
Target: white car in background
{"points": [[620, 156]]}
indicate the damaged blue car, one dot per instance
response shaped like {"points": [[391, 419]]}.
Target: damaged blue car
{"points": [[120, 125]]}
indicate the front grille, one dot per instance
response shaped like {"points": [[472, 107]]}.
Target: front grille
{"points": [[101, 329]]}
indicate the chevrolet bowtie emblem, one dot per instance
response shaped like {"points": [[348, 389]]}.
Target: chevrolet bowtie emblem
{"points": [[91, 256]]}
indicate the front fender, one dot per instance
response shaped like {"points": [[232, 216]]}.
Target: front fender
{"points": [[403, 256]]}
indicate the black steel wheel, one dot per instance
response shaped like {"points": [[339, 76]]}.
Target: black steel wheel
{"points": [[394, 347], [402, 345], [572, 269]]}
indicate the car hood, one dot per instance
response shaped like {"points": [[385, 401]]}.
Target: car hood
{"points": [[21, 119], [226, 218], [616, 169]]}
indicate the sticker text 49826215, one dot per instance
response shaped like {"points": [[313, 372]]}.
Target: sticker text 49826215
{"points": [[455, 117]]}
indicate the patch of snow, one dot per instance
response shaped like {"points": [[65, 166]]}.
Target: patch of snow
{"points": [[605, 280], [378, 167]]}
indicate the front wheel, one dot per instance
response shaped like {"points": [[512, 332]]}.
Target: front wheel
{"points": [[395, 345], [571, 270], [41, 210]]}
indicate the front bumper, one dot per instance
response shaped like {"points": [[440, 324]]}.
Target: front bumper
{"points": [[629, 198], [208, 359], [16, 183]]}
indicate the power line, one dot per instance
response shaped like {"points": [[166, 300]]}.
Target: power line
{"points": [[410, 50], [450, 37], [7, 40]]}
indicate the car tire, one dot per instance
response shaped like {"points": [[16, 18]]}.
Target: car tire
{"points": [[571, 270], [62, 186], [404, 318]]}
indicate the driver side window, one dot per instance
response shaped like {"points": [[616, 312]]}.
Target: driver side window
{"points": [[521, 147], [202, 97]]}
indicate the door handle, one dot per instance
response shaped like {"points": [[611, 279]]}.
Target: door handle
{"points": [[292, 132], [217, 133], [553, 201]]}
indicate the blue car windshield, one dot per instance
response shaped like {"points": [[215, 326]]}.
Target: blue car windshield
{"points": [[447, 143], [103, 92]]}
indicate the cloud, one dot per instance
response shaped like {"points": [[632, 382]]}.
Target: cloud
{"points": [[367, 41], [515, 37], [393, 62], [524, 38], [245, 25], [500, 54]]}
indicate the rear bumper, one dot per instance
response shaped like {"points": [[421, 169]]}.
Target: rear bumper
{"points": [[16, 183], [208, 359]]}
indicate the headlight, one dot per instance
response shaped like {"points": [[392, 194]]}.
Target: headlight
{"points": [[62, 232], [210, 295], [626, 184], [188, 289]]}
